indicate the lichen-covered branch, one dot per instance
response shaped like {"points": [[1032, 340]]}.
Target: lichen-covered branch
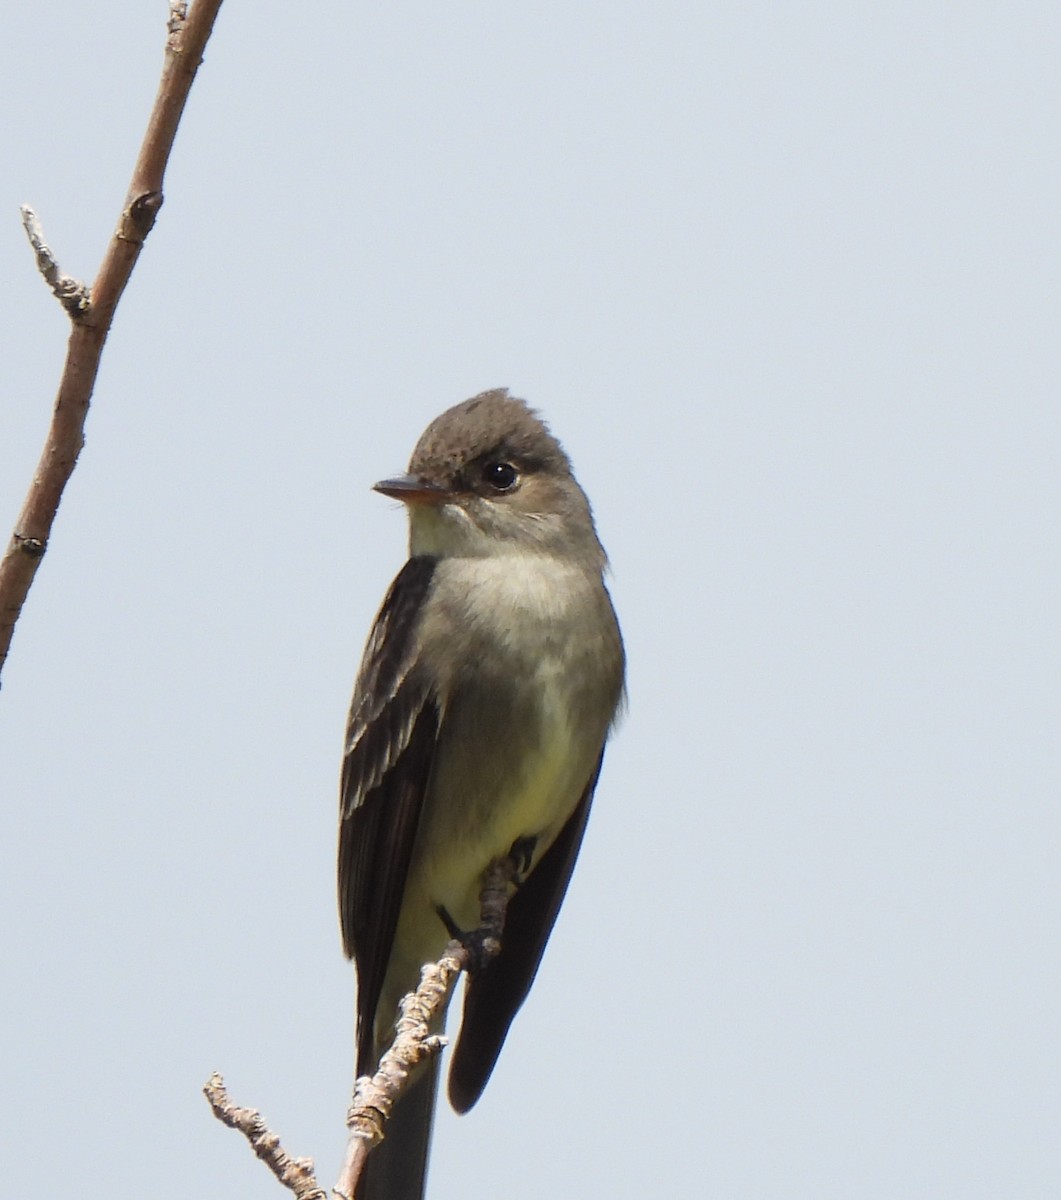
{"points": [[296, 1174], [91, 310], [375, 1095]]}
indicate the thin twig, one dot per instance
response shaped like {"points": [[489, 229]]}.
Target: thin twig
{"points": [[92, 310], [296, 1174], [375, 1095], [71, 293]]}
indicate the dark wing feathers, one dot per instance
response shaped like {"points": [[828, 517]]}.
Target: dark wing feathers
{"points": [[493, 996], [390, 656], [389, 749]]}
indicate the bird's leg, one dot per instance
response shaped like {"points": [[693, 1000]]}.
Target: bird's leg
{"points": [[484, 944], [452, 928]]}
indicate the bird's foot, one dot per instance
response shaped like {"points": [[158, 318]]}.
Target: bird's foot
{"points": [[480, 945]]}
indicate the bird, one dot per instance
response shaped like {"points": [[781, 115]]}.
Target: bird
{"points": [[490, 682]]}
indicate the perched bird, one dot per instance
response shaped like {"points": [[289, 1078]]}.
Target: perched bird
{"points": [[488, 687]]}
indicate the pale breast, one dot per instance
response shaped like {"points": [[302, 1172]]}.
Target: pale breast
{"points": [[530, 697]]}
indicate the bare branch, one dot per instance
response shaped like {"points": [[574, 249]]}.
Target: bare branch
{"points": [[92, 310], [296, 1174], [375, 1095]]}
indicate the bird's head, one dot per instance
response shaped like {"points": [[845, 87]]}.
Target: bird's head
{"points": [[487, 478]]}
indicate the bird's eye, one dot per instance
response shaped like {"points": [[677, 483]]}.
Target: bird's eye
{"points": [[501, 476]]}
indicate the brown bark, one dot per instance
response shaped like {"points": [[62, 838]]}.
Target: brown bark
{"points": [[91, 310]]}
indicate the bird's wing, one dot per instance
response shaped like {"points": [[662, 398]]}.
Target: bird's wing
{"points": [[390, 745], [493, 996]]}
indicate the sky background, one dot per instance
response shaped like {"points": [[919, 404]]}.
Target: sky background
{"points": [[785, 281]]}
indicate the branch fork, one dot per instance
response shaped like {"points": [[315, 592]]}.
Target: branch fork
{"points": [[375, 1095]]}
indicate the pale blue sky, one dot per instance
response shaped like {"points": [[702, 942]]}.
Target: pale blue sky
{"points": [[785, 281]]}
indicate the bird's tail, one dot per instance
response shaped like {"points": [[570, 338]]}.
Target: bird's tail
{"points": [[397, 1168]]}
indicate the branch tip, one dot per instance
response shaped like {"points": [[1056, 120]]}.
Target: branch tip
{"points": [[296, 1174], [72, 294]]}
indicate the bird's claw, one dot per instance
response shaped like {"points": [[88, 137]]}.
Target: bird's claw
{"points": [[480, 945]]}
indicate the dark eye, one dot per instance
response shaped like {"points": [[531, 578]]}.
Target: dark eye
{"points": [[501, 476]]}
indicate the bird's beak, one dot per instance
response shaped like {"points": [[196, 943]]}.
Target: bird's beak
{"points": [[410, 489]]}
